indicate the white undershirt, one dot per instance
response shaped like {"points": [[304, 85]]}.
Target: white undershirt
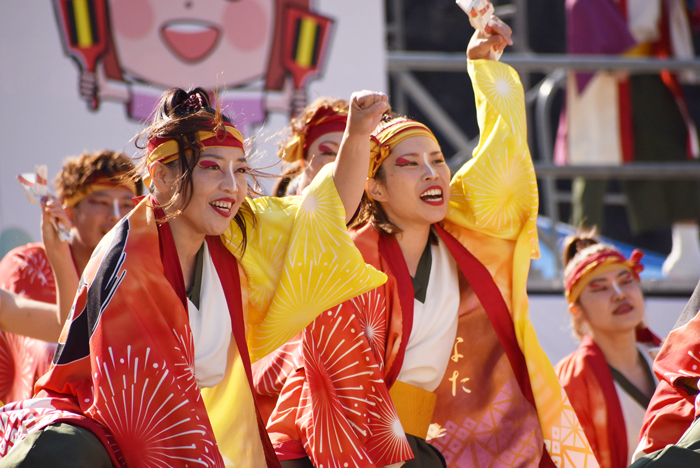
{"points": [[434, 324], [211, 327]]}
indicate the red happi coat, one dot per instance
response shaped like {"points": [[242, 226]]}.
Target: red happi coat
{"points": [[586, 377], [334, 385], [675, 405], [124, 368], [25, 271]]}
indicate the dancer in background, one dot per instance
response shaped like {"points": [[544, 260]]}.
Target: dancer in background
{"points": [[315, 138], [94, 192], [608, 378], [164, 308], [441, 364], [616, 118]]}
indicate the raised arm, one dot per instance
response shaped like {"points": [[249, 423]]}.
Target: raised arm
{"points": [[495, 193], [59, 254], [352, 164]]}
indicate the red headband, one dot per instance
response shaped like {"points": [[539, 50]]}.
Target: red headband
{"points": [[334, 123], [597, 264], [324, 121]]}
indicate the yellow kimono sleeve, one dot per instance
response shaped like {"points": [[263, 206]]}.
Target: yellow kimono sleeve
{"points": [[299, 261], [495, 193], [493, 212]]}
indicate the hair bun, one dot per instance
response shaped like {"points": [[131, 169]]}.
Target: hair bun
{"points": [[577, 242], [193, 103], [180, 103]]}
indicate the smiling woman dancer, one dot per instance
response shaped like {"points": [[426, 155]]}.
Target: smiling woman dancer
{"points": [[608, 378], [444, 350], [315, 138], [164, 309]]}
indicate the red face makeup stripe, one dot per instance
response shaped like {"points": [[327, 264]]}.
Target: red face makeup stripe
{"points": [[326, 149], [208, 163], [401, 161]]}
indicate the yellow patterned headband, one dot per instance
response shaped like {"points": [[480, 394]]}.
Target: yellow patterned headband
{"points": [[165, 150], [383, 142]]}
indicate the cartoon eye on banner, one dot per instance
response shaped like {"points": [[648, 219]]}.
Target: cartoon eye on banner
{"points": [[306, 38], [84, 27]]}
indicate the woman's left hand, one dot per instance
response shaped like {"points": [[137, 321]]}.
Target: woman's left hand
{"points": [[495, 38]]}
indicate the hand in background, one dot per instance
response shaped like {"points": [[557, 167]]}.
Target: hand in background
{"points": [[53, 214]]}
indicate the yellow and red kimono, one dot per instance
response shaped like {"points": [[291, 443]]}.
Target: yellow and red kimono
{"points": [[499, 402], [25, 271], [125, 368], [587, 380]]}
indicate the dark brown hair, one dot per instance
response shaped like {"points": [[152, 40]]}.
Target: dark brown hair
{"points": [[81, 171], [179, 116], [580, 245], [289, 172], [371, 211]]}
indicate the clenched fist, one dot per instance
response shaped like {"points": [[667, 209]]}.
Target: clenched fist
{"points": [[366, 110]]}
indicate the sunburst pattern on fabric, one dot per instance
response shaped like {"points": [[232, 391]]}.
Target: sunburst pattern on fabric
{"points": [[136, 396], [7, 365], [186, 379], [371, 308], [21, 418], [349, 419], [501, 86], [271, 372], [496, 191], [263, 266], [37, 269], [320, 268], [23, 366], [500, 191]]}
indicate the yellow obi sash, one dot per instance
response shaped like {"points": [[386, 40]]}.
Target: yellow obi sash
{"points": [[414, 407]]}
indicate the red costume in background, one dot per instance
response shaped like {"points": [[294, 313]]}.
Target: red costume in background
{"points": [[25, 271], [586, 377]]}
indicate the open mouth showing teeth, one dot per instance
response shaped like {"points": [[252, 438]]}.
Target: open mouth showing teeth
{"points": [[432, 195], [226, 206]]}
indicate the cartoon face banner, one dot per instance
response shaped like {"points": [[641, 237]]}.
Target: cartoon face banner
{"points": [[127, 49], [92, 71]]}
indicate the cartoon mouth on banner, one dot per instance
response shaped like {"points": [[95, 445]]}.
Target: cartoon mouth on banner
{"points": [[192, 41]]}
